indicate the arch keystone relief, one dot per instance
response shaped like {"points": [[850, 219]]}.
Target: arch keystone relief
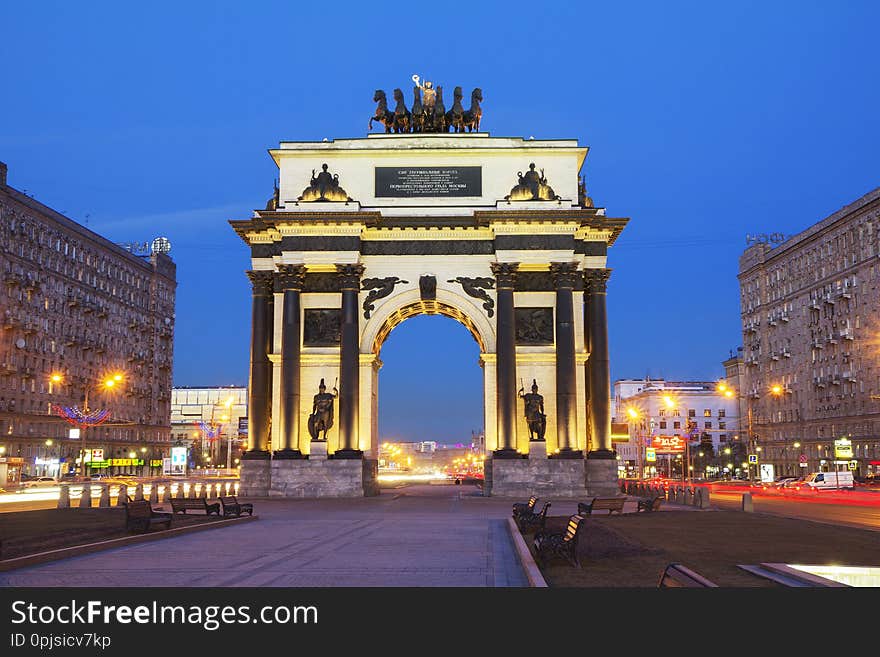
{"points": [[436, 230]]}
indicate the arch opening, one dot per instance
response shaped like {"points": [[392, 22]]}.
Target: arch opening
{"points": [[425, 307]]}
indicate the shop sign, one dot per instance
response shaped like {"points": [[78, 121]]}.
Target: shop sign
{"points": [[668, 444], [650, 455], [843, 448]]}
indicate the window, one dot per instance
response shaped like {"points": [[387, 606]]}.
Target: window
{"points": [[692, 412], [662, 412], [723, 438], [676, 425], [663, 424], [707, 412], [722, 425], [707, 425], [721, 412]]}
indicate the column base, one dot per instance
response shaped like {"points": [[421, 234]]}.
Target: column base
{"points": [[601, 476], [254, 477], [506, 453], [602, 454], [289, 454], [347, 454], [256, 455], [567, 453]]}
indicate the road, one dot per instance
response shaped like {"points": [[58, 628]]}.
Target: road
{"points": [[853, 509]]}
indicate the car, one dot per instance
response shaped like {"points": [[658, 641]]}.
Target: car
{"points": [[782, 482], [40, 482], [794, 483]]}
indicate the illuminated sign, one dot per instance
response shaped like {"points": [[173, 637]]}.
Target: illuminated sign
{"points": [[97, 454], [650, 455], [753, 458], [668, 444], [73, 433], [843, 448], [178, 461], [768, 474]]}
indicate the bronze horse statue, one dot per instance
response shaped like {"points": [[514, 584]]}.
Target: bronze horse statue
{"points": [[455, 116], [401, 114], [382, 113], [418, 115], [438, 123], [473, 115]]}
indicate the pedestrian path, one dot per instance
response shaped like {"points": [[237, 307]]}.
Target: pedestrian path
{"points": [[414, 536]]}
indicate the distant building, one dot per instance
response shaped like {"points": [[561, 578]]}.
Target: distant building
{"points": [[662, 413], [75, 306], [197, 412], [810, 326]]}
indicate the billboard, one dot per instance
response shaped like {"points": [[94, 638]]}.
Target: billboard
{"points": [[668, 444], [843, 448], [178, 460]]}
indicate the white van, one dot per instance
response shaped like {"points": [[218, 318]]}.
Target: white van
{"points": [[832, 480]]}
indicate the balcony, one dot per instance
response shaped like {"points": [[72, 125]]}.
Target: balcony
{"points": [[832, 339], [12, 279], [774, 355], [846, 334], [771, 320], [815, 305], [754, 394], [843, 293], [786, 353], [835, 380], [752, 326], [817, 344], [784, 317], [27, 372], [849, 376], [828, 299], [751, 360], [819, 381], [8, 368]]}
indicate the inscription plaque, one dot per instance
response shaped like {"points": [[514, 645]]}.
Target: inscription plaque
{"points": [[414, 182]]}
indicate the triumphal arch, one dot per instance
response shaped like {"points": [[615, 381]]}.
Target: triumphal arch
{"points": [[495, 232]]}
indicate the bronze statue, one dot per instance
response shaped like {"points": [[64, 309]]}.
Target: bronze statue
{"points": [[534, 410], [417, 116], [321, 418], [438, 123], [428, 90], [473, 115], [323, 187], [401, 114], [455, 116], [274, 202], [584, 199], [532, 187], [382, 113]]}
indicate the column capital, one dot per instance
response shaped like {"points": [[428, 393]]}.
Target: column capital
{"points": [[596, 280], [262, 282], [291, 277], [563, 274], [505, 273], [350, 276]]}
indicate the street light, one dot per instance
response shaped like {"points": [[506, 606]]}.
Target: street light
{"points": [[774, 390], [635, 415], [84, 418]]}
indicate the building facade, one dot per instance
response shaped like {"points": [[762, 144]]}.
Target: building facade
{"points": [[75, 310], [666, 414], [212, 422], [811, 330]]}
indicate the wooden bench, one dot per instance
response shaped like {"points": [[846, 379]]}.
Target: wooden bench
{"points": [[528, 522], [610, 504], [564, 545], [198, 504], [676, 575], [524, 507], [232, 507], [139, 514], [649, 504]]}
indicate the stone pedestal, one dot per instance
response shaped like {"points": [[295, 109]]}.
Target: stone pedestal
{"points": [[538, 449], [317, 478], [546, 478], [254, 477], [318, 450], [602, 479]]}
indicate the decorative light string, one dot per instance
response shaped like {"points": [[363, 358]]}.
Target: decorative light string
{"points": [[80, 418]]}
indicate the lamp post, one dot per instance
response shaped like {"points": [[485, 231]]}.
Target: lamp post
{"points": [[775, 390], [86, 417], [635, 416], [228, 404]]}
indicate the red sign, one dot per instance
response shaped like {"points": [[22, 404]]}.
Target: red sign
{"points": [[668, 444]]}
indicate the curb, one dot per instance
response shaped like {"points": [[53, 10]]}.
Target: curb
{"points": [[530, 568], [89, 548]]}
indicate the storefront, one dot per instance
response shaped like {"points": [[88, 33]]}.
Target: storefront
{"points": [[10, 470]]}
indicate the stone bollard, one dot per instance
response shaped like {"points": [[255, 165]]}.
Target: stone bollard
{"points": [[181, 490], [203, 492], [139, 493], [690, 497], [104, 501], [85, 500], [122, 496], [192, 491], [166, 492], [747, 505], [154, 493], [704, 498], [64, 497]]}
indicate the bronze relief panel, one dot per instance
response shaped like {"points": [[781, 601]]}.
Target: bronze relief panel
{"points": [[322, 327], [534, 325]]}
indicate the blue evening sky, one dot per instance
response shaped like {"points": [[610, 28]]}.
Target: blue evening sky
{"points": [[706, 121]]}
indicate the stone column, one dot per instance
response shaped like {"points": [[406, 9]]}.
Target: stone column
{"points": [[349, 369], [599, 371], [291, 278], [259, 397], [505, 367], [566, 370]]}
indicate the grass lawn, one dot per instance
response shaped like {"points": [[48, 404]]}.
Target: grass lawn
{"points": [[633, 549], [29, 532]]}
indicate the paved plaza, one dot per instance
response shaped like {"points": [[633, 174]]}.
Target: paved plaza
{"points": [[414, 536]]}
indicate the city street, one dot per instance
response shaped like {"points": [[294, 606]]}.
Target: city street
{"points": [[850, 508]]}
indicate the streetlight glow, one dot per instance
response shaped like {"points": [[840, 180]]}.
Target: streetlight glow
{"points": [[633, 413], [776, 389], [56, 378]]}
